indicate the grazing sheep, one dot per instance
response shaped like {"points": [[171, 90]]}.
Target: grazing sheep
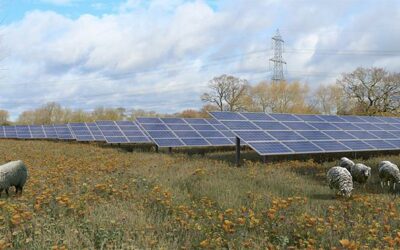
{"points": [[13, 173], [340, 178], [346, 163], [389, 172], [360, 173]]}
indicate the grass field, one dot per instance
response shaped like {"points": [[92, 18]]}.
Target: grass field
{"points": [[87, 196]]}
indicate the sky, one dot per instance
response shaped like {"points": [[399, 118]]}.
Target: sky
{"points": [[160, 55]]}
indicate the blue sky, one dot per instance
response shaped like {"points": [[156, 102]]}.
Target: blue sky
{"points": [[159, 55]]}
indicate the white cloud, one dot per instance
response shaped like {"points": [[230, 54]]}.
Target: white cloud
{"points": [[160, 54], [57, 2]]}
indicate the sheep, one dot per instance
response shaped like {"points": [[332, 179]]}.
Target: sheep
{"points": [[346, 163], [13, 173], [360, 173], [390, 173], [340, 179]]}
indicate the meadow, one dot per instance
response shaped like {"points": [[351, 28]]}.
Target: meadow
{"points": [[83, 196]]}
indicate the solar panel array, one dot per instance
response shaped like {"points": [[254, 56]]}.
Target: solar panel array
{"points": [[275, 134], [81, 131], [122, 132], [181, 132]]}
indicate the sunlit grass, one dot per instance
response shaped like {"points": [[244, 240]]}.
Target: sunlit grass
{"points": [[87, 196]]}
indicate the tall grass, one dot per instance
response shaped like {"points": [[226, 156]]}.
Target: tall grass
{"points": [[86, 196]]}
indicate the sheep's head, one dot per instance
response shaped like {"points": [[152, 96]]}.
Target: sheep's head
{"points": [[367, 172], [346, 192]]}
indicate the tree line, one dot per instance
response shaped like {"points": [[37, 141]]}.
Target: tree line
{"points": [[365, 91]]}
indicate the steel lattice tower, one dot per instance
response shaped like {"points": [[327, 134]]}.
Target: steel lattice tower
{"points": [[277, 60]]}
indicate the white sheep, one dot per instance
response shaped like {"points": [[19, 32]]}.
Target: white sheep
{"points": [[346, 163], [14, 174], [360, 173], [340, 178], [390, 173]]}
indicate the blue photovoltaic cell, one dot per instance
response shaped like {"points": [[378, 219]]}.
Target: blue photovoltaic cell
{"points": [[138, 139], [356, 145], [314, 135], [270, 148], [161, 134], [257, 116], [147, 126], [298, 126], [254, 136], [132, 133], [37, 132], [302, 147], [210, 134], [332, 118], [219, 141], [385, 126], [50, 132], [173, 120], [395, 143], [152, 120], [352, 118], [285, 117], [239, 125], [397, 125], [195, 142], [112, 133], [227, 116], [323, 126], [380, 144], [204, 127], [212, 121], [396, 133], [105, 123], [218, 127], [179, 127], [198, 121], [383, 134], [2, 135], [331, 146], [23, 132], [286, 136], [63, 132], [388, 119], [228, 133], [367, 126], [310, 118], [125, 123], [116, 139], [187, 134], [362, 135], [171, 142], [10, 132], [339, 135], [97, 135], [271, 126], [371, 119], [81, 132], [346, 126]]}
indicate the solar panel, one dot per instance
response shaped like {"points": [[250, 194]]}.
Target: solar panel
{"points": [[380, 144], [181, 132], [50, 132], [331, 146], [23, 132], [302, 147], [81, 131], [10, 132], [312, 133], [37, 132], [95, 131], [228, 116], [111, 132], [63, 132], [132, 132], [332, 118], [2, 134]]}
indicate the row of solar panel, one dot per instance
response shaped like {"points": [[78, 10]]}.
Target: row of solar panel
{"points": [[289, 134], [109, 131], [165, 132]]}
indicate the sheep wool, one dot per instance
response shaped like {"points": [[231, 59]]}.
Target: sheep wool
{"points": [[360, 173], [340, 178], [13, 173], [346, 163], [389, 172]]}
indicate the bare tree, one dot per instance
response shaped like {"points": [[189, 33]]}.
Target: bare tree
{"points": [[374, 90], [4, 116], [226, 92], [331, 99]]}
